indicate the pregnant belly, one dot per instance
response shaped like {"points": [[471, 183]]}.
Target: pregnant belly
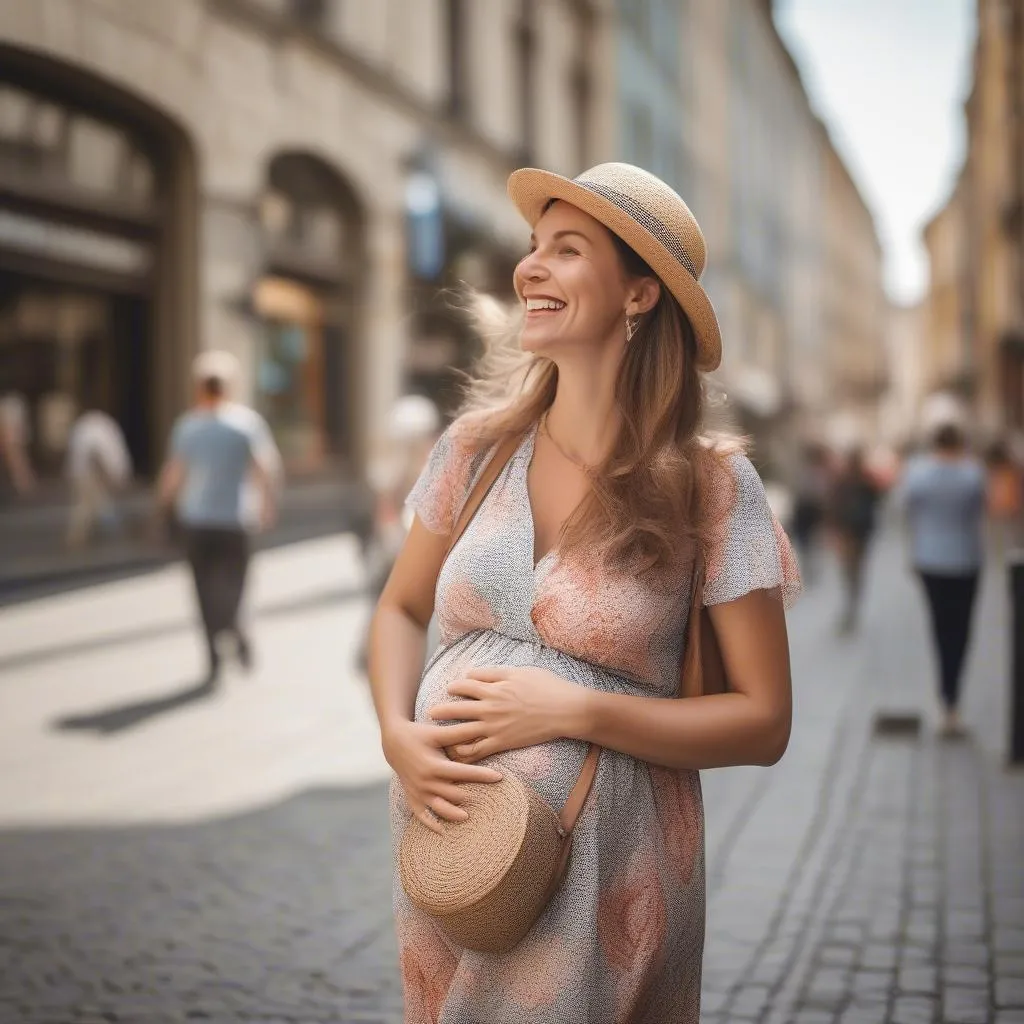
{"points": [[553, 768]]}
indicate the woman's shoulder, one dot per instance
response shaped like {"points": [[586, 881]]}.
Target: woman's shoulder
{"points": [[468, 431], [725, 463]]}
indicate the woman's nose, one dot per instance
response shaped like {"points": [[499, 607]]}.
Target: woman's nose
{"points": [[532, 268]]}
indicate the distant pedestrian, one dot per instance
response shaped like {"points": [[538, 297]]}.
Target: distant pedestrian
{"points": [[413, 426], [220, 453], [15, 436], [944, 495], [812, 488], [853, 511], [98, 467]]}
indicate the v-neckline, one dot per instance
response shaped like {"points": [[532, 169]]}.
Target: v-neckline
{"points": [[536, 563]]}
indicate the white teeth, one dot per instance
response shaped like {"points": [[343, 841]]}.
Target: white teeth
{"points": [[532, 304]]}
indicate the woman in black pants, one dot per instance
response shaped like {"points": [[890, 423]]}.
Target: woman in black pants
{"points": [[945, 499]]}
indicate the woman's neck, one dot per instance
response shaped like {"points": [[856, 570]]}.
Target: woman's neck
{"points": [[583, 419]]}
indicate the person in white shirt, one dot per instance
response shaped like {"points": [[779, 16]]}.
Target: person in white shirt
{"points": [[98, 466], [222, 456]]}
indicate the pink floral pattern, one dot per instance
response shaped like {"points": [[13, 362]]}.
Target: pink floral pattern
{"points": [[622, 940]]}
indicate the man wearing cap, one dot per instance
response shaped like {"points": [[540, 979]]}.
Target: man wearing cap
{"points": [[221, 453]]}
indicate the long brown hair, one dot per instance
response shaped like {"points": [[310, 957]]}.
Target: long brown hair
{"points": [[646, 506]]}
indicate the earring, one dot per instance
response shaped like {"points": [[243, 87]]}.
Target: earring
{"points": [[632, 325]]}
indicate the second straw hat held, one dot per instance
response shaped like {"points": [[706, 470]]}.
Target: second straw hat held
{"points": [[650, 218]]}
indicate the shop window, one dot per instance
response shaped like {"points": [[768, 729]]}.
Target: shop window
{"points": [[289, 369], [526, 62], [306, 304], [42, 142], [312, 13], [580, 90]]}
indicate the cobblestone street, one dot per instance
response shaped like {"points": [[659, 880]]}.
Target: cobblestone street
{"points": [[171, 854]]}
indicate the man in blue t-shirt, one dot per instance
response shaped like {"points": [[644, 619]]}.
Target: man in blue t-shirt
{"points": [[221, 476]]}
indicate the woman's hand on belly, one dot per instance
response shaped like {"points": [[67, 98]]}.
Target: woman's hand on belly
{"points": [[513, 708], [430, 779]]}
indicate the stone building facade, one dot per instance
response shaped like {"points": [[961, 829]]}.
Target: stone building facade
{"points": [[292, 180], [305, 183], [975, 302], [854, 310], [794, 263]]}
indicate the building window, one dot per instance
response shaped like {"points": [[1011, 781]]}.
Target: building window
{"points": [[44, 143], [312, 13], [458, 77], [526, 60], [580, 91]]}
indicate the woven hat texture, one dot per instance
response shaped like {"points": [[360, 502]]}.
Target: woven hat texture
{"points": [[649, 217], [486, 880]]}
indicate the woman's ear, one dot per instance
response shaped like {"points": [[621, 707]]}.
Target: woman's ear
{"points": [[644, 296]]}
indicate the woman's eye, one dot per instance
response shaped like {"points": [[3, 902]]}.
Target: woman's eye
{"points": [[569, 251]]}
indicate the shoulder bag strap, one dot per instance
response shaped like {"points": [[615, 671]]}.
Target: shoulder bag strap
{"points": [[691, 675], [499, 460], [506, 449]]}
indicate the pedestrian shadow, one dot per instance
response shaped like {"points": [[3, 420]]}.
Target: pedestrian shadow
{"points": [[121, 717]]}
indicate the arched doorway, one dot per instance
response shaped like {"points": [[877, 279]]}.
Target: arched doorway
{"points": [[308, 301], [97, 256]]}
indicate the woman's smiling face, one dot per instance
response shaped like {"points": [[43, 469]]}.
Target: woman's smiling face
{"points": [[572, 282]]}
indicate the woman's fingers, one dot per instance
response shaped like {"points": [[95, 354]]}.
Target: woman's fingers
{"points": [[461, 732], [444, 809], [429, 820], [457, 711], [471, 689], [489, 673], [468, 752], [459, 772], [449, 791]]}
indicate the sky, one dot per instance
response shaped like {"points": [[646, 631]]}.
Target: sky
{"points": [[889, 78]]}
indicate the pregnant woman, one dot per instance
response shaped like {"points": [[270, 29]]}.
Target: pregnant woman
{"points": [[563, 607]]}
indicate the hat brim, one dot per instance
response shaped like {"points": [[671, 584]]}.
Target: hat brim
{"points": [[532, 189]]}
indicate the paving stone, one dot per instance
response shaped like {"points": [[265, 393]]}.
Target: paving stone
{"points": [[918, 980], [1010, 992], [1009, 965], [848, 885], [913, 1010], [837, 956], [865, 1015], [879, 957], [966, 1005], [972, 977]]}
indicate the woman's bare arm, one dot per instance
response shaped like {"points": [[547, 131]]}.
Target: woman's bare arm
{"points": [[399, 628], [748, 725], [518, 707], [415, 750]]}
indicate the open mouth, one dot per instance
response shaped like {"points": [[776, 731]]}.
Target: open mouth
{"points": [[543, 306]]}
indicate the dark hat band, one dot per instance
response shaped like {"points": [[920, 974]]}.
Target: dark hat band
{"points": [[645, 219]]}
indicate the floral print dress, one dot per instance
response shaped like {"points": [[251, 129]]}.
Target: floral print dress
{"points": [[622, 939]]}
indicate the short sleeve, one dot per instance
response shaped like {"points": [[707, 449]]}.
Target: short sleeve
{"points": [[263, 447], [747, 548], [443, 485], [179, 442]]}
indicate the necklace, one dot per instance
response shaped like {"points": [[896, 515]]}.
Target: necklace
{"points": [[579, 463]]}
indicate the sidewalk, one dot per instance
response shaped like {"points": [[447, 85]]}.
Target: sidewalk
{"points": [[34, 558], [229, 860], [875, 879]]}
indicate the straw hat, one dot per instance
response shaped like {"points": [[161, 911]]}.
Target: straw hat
{"points": [[649, 217]]}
